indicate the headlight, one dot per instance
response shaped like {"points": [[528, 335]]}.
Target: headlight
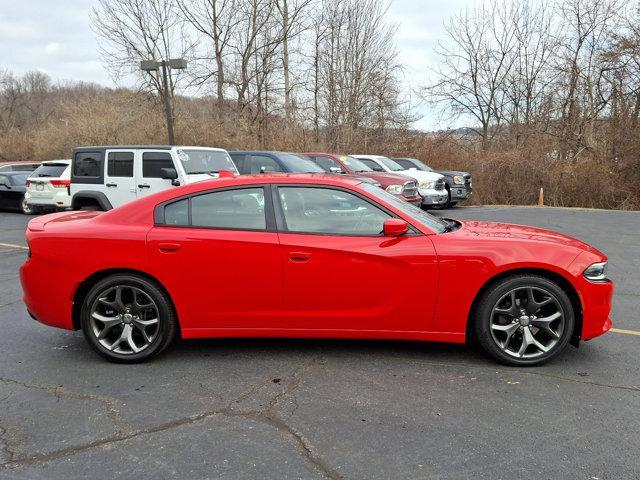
{"points": [[427, 184], [458, 179], [596, 272], [394, 189]]}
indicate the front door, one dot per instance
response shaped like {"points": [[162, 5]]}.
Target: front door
{"points": [[341, 273], [119, 180], [149, 174], [220, 257]]}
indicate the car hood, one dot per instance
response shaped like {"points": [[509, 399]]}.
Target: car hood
{"points": [[386, 179], [494, 230], [451, 173], [421, 175]]}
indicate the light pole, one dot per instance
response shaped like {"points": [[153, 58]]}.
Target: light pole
{"points": [[152, 66]]}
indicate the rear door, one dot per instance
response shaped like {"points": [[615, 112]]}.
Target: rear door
{"points": [[218, 254], [149, 172], [120, 180]]}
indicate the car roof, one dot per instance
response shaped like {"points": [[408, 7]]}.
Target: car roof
{"points": [[262, 152], [142, 147], [65, 161], [14, 173]]}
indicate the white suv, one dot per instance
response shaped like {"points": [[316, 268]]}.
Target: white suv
{"points": [[106, 177], [48, 186], [431, 185]]}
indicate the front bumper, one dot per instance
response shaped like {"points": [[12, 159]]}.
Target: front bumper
{"points": [[412, 199], [433, 197], [460, 192]]}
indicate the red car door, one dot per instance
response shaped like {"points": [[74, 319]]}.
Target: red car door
{"points": [[220, 259], [340, 273]]}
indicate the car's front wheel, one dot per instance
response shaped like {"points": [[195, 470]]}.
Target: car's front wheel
{"points": [[524, 320], [128, 318]]}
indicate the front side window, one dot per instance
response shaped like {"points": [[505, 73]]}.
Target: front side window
{"points": [[264, 164], [392, 165], [329, 211], [120, 164], [240, 209], [372, 165], [299, 164], [154, 162], [327, 163], [87, 164]]}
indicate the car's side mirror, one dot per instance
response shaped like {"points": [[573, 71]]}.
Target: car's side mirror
{"points": [[394, 227], [336, 170], [413, 168], [169, 173], [267, 169]]}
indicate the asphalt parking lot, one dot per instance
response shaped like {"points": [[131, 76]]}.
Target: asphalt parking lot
{"points": [[294, 409]]}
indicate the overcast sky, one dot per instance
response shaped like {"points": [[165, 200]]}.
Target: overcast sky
{"points": [[54, 36]]}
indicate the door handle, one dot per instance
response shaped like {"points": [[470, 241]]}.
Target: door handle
{"points": [[144, 185], [299, 256], [111, 184], [168, 247]]}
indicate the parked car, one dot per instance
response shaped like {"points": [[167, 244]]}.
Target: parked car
{"points": [[48, 186], [458, 184], [12, 189], [355, 177], [18, 166], [264, 255], [106, 177], [431, 186], [396, 184]]}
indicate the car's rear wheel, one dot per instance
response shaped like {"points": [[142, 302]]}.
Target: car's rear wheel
{"points": [[25, 208], [127, 318], [524, 320]]}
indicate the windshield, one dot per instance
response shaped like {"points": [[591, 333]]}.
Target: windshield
{"points": [[354, 164], [19, 179], [50, 170], [391, 165], [410, 163], [205, 161], [299, 164], [426, 219]]}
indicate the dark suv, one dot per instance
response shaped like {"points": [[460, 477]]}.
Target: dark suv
{"points": [[458, 184]]}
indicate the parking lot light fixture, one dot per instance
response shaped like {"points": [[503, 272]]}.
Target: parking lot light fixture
{"points": [[153, 66]]}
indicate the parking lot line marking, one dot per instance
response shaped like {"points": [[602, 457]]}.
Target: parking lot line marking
{"points": [[13, 245], [628, 332]]}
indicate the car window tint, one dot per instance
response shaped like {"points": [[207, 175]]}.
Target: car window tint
{"points": [[241, 209], [371, 164], [329, 211], [154, 162], [177, 213], [261, 163], [86, 164], [120, 164], [51, 170]]}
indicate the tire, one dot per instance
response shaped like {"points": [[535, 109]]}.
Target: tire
{"points": [[451, 204], [129, 334], [25, 208], [504, 329]]}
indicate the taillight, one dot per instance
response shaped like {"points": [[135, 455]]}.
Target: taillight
{"points": [[60, 183], [28, 184]]}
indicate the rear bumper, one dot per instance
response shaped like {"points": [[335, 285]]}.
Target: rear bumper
{"points": [[54, 201]]}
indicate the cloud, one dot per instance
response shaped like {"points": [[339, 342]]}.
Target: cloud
{"points": [[52, 48]]}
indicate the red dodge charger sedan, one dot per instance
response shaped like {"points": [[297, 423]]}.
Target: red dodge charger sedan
{"points": [[272, 255]]}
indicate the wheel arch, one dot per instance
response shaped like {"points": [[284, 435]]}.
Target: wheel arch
{"points": [[85, 286], [556, 277]]}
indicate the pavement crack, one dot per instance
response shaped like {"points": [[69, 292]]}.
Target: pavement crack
{"points": [[112, 406]]}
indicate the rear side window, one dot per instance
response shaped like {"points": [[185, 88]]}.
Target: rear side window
{"points": [[177, 213], [86, 164], [120, 164], [154, 162], [241, 209], [49, 170]]}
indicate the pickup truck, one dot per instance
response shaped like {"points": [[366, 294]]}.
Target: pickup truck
{"points": [[458, 184]]}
